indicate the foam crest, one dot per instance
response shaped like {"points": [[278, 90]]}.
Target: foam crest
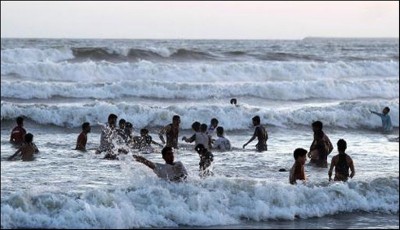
{"points": [[215, 201], [34, 55], [343, 115], [274, 90], [197, 72]]}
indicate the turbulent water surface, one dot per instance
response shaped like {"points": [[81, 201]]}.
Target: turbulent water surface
{"points": [[59, 84]]}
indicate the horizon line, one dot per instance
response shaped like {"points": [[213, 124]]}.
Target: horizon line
{"points": [[307, 37]]}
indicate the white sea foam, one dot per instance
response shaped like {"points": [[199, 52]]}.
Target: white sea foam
{"points": [[215, 201], [289, 84], [91, 71], [345, 115], [274, 90], [34, 55]]}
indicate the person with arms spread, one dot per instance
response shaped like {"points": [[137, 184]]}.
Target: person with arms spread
{"points": [[172, 171], [386, 121]]}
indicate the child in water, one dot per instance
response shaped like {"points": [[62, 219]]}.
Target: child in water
{"points": [[206, 158], [297, 170]]}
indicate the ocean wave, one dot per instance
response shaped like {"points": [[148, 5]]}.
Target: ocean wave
{"points": [[282, 56], [353, 115], [273, 90], [29, 55], [112, 54], [115, 53], [197, 72], [212, 202]]}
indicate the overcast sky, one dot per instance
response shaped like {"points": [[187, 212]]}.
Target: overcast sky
{"points": [[199, 20]]}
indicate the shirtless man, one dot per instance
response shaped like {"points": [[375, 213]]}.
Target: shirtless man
{"points": [[172, 132], [82, 138], [27, 149], [18, 132], [261, 133], [342, 163], [172, 171], [321, 146]]}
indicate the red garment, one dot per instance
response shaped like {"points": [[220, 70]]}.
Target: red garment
{"points": [[17, 134]]}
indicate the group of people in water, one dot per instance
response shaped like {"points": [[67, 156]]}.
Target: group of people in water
{"points": [[119, 140]]}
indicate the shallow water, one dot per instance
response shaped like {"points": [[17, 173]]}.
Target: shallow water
{"points": [[57, 84], [67, 188]]}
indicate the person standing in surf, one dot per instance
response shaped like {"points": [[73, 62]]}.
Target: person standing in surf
{"points": [[386, 121], [297, 170], [212, 127], [342, 163], [321, 146], [222, 143], [261, 133], [196, 128], [107, 135], [171, 131], [82, 138], [18, 132], [206, 158]]}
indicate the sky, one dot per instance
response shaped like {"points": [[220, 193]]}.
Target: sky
{"points": [[199, 19]]}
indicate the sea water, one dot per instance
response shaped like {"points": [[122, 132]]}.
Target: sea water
{"points": [[57, 84]]}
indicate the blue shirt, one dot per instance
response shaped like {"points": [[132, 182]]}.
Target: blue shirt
{"points": [[386, 121]]}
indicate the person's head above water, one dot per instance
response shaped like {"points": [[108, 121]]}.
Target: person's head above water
{"points": [[86, 127], [256, 120], [122, 123], [317, 126], [342, 145], [214, 122], [220, 131], [20, 121], [176, 119], [233, 101], [386, 110], [112, 119], [168, 155]]}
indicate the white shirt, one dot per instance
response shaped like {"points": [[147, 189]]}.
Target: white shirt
{"points": [[222, 144], [211, 130], [202, 138], [173, 172]]}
